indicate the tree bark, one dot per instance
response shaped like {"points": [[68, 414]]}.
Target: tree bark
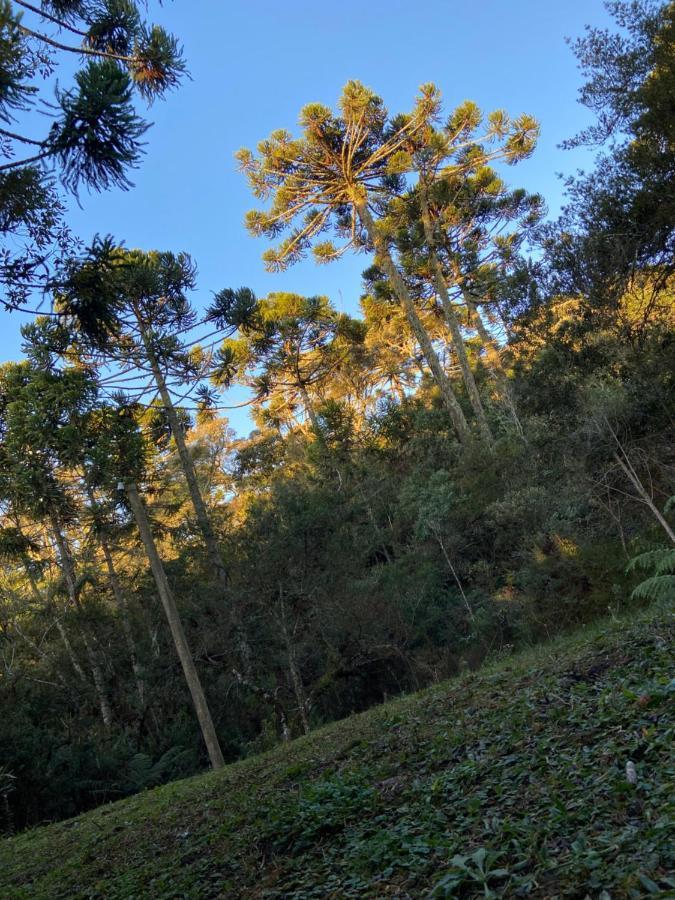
{"points": [[310, 411], [631, 474], [215, 559], [493, 361], [446, 555], [37, 596], [271, 697], [203, 521], [400, 289], [123, 608], [176, 626], [69, 650], [296, 679], [451, 320], [120, 599]]}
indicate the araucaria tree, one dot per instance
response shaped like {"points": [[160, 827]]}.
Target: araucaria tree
{"points": [[134, 313], [339, 178], [287, 346], [88, 135], [115, 455]]}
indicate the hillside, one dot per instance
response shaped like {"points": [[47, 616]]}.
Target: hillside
{"points": [[508, 782]]}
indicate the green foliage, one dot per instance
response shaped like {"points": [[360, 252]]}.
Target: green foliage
{"points": [[620, 216], [142, 773], [318, 183], [95, 136], [325, 807], [477, 871], [286, 349], [661, 584], [97, 139]]}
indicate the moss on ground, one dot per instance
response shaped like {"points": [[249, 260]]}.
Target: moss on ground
{"points": [[510, 782]]}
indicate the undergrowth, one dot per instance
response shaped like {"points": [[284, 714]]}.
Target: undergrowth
{"points": [[548, 774]]}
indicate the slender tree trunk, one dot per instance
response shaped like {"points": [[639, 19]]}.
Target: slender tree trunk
{"points": [[123, 609], [493, 361], [452, 322], [299, 692], [400, 289], [120, 599], [271, 697], [631, 474], [212, 550], [99, 680], [441, 544], [60, 627], [309, 409], [38, 598], [68, 569], [35, 590], [296, 679], [66, 560], [176, 626], [373, 521]]}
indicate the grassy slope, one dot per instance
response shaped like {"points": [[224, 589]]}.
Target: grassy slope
{"points": [[517, 772]]}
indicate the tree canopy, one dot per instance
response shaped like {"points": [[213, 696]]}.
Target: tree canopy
{"points": [[56, 140]]}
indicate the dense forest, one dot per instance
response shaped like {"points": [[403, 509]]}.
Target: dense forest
{"points": [[480, 459]]}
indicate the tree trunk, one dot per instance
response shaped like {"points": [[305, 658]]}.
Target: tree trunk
{"points": [[39, 599], [68, 569], [215, 559], [120, 599], [176, 626], [271, 697], [121, 602], [296, 679], [493, 361], [309, 410], [400, 289], [451, 320], [446, 555], [631, 474], [99, 680], [60, 627], [212, 550]]}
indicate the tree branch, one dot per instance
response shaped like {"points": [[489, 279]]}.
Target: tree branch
{"points": [[46, 15], [84, 51], [24, 162], [20, 137]]}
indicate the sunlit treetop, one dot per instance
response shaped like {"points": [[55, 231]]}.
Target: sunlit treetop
{"points": [[343, 163]]}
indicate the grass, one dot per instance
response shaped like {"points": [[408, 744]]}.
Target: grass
{"points": [[510, 782]]}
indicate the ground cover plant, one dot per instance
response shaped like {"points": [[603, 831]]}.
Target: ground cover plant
{"points": [[546, 774]]}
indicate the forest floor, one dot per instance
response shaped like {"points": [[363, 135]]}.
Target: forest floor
{"points": [[509, 782]]}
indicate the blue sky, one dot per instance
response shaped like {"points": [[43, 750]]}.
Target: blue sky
{"points": [[255, 64]]}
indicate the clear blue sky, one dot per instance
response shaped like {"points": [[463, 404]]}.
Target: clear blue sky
{"points": [[255, 64]]}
